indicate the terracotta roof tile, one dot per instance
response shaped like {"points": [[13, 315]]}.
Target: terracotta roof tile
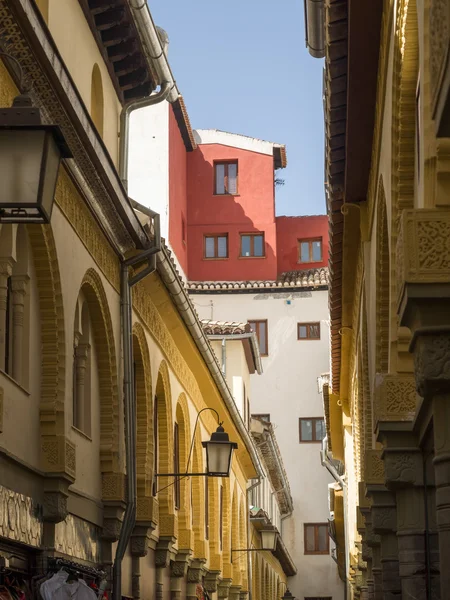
{"points": [[224, 327], [289, 279]]}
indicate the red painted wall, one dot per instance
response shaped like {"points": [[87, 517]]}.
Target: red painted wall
{"points": [[292, 229], [177, 193], [250, 211]]}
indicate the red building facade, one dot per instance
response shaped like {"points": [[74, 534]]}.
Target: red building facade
{"points": [[222, 223]]}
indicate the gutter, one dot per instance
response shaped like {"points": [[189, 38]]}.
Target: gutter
{"points": [[243, 336], [187, 312], [315, 27]]}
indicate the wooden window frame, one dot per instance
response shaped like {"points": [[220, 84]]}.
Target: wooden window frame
{"points": [[216, 237], [314, 440], [310, 241], [308, 331], [316, 539], [257, 322], [176, 466], [225, 163], [252, 236]]}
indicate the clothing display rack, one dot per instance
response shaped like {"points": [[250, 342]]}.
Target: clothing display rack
{"points": [[76, 568]]}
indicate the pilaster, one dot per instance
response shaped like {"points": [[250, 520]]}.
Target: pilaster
{"points": [[195, 574], [223, 587], [178, 570]]}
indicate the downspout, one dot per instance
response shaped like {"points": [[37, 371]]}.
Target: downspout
{"points": [[126, 284], [249, 554], [224, 357]]}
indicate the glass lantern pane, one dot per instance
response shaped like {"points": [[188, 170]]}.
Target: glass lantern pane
{"points": [[51, 175], [20, 166], [218, 457]]}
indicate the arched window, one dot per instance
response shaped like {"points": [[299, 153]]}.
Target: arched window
{"points": [[97, 99], [82, 367], [15, 268]]}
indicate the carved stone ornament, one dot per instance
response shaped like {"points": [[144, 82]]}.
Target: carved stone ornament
{"points": [[223, 588], [55, 506], [395, 397], [140, 537], [211, 581], [162, 553], [195, 574], [403, 467], [439, 41], [384, 519], [234, 592], [179, 566], [432, 361], [374, 468]]}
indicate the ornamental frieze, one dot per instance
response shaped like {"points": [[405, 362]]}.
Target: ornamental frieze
{"points": [[395, 397], [20, 518]]}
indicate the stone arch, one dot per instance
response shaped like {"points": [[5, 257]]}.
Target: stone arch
{"points": [[243, 542], [226, 542], [144, 412], [185, 534], [163, 399], [94, 293], [235, 536], [198, 499], [382, 285], [97, 102], [53, 343]]}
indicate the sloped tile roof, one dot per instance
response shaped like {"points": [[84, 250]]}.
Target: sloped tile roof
{"points": [[290, 279], [224, 327]]}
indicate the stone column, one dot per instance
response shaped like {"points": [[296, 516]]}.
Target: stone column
{"points": [[431, 348], [19, 287], [178, 570], [235, 591], [80, 365], [223, 588], [162, 561], [5, 273], [194, 577], [211, 581]]}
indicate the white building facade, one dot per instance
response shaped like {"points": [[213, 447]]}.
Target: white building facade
{"points": [[286, 394]]}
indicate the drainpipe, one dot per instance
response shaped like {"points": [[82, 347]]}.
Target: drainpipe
{"points": [[224, 357], [249, 554], [126, 284], [315, 27]]}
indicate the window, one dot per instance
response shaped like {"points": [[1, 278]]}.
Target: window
{"points": [[176, 466], [265, 417], [216, 246], [310, 250], [221, 516], [252, 245], [207, 508], [225, 178], [316, 538], [312, 429], [308, 331], [260, 328]]}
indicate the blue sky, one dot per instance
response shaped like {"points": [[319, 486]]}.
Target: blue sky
{"points": [[242, 67]]}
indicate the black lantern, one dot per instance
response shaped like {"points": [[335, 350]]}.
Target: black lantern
{"points": [[288, 595], [30, 155], [219, 452], [269, 539]]}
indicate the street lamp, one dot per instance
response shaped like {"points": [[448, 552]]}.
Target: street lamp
{"points": [[219, 453], [30, 155], [287, 593], [269, 538]]}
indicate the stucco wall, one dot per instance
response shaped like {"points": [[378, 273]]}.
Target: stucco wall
{"points": [[292, 229], [251, 210], [70, 30], [288, 390]]}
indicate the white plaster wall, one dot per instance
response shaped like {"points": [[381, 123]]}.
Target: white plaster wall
{"points": [[148, 170], [287, 390], [234, 140]]}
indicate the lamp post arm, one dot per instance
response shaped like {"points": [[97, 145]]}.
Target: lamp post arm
{"points": [[195, 429]]}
